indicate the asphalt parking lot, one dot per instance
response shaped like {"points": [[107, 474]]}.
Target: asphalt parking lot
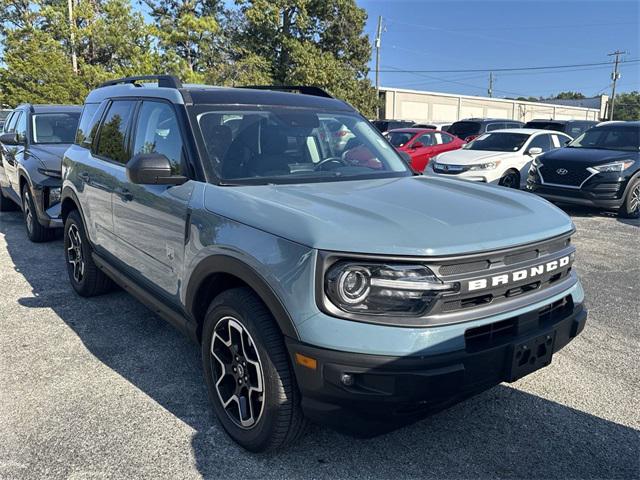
{"points": [[101, 388]]}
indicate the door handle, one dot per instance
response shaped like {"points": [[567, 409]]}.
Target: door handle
{"points": [[124, 193], [84, 176]]}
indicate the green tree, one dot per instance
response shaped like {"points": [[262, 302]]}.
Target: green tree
{"points": [[569, 96], [37, 70], [319, 42], [189, 35], [627, 106]]}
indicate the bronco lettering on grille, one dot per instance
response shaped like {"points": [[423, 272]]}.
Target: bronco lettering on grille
{"points": [[518, 275]]}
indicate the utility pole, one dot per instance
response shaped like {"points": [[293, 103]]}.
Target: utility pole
{"points": [[378, 37], [490, 89], [615, 75], [74, 59]]}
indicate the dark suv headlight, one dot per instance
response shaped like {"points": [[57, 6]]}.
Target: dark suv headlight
{"points": [[383, 288]]}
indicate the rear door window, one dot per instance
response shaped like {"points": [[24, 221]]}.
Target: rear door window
{"points": [[11, 126], [113, 132]]}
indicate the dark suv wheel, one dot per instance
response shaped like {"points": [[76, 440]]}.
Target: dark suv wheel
{"points": [[250, 380], [85, 276], [631, 206], [36, 232]]}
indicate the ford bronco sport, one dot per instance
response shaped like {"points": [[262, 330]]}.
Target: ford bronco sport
{"points": [[320, 285]]}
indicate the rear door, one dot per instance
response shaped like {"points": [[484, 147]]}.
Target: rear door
{"points": [[7, 151], [151, 220], [100, 174]]}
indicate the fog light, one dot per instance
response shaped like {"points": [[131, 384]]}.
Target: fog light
{"points": [[54, 196], [347, 379]]}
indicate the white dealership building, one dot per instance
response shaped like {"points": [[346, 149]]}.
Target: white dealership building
{"points": [[424, 106]]}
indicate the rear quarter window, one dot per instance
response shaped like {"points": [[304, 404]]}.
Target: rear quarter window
{"points": [[88, 125]]}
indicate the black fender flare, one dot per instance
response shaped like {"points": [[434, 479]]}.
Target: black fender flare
{"points": [[632, 178], [229, 265], [68, 193]]}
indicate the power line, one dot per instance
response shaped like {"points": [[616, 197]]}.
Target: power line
{"points": [[514, 69]]}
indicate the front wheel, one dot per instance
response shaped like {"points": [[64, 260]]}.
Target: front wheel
{"points": [[36, 232], [250, 381], [631, 206], [510, 179]]}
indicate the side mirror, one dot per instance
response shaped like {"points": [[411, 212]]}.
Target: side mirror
{"points": [[9, 139], [534, 151], [152, 169], [417, 145]]}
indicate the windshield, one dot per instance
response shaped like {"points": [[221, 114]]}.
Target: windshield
{"points": [[626, 139], [398, 139], [55, 127], [258, 145], [499, 142], [464, 129]]}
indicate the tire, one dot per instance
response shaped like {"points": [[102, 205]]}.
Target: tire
{"points": [[631, 206], [272, 417], [510, 179], [6, 204], [85, 276], [36, 232]]}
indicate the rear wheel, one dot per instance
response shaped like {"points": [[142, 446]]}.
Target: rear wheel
{"points": [[36, 232], [510, 179], [631, 206], [250, 380], [85, 276]]}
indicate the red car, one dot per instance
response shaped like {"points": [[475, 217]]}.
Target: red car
{"points": [[422, 144]]}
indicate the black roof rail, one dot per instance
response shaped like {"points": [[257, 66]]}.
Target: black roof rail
{"points": [[303, 89], [167, 81]]}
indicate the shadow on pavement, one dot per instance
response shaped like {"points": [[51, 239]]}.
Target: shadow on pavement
{"points": [[501, 433], [587, 212]]}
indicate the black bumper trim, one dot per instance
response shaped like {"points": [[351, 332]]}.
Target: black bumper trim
{"points": [[388, 392]]}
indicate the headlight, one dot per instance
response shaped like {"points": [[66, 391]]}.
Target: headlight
{"points": [[614, 166], [375, 289], [485, 166], [54, 196], [49, 172]]}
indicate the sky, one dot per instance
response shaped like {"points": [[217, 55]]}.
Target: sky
{"points": [[467, 34]]}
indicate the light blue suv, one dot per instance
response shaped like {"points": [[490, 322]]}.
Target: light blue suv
{"points": [[323, 281]]}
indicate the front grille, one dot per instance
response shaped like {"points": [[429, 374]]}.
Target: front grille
{"points": [[447, 169], [573, 178], [505, 331], [457, 269]]}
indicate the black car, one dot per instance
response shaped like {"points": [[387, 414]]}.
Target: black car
{"points": [[470, 128], [573, 128], [386, 125], [33, 141], [600, 168]]}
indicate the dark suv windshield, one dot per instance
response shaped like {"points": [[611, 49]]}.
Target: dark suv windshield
{"points": [[249, 145], [464, 129], [499, 142], [55, 127], [609, 138]]}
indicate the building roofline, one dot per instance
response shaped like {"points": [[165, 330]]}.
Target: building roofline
{"points": [[484, 99]]}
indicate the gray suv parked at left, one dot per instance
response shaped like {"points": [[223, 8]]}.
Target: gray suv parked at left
{"points": [[33, 140]]}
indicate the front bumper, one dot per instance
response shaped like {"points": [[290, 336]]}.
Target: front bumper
{"points": [[601, 191], [385, 392]]}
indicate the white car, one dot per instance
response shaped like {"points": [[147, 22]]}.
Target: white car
{"points": [[502, 156]]}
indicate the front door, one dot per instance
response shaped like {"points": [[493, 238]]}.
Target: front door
{"points": [[13, 153], [150, 220]]}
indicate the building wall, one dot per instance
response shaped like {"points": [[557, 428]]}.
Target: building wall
{"points": [[443, 107]]}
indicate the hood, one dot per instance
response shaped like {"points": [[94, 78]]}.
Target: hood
{"points": [[49, 155], [399, 216], [470, 157], [587, 156]]}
